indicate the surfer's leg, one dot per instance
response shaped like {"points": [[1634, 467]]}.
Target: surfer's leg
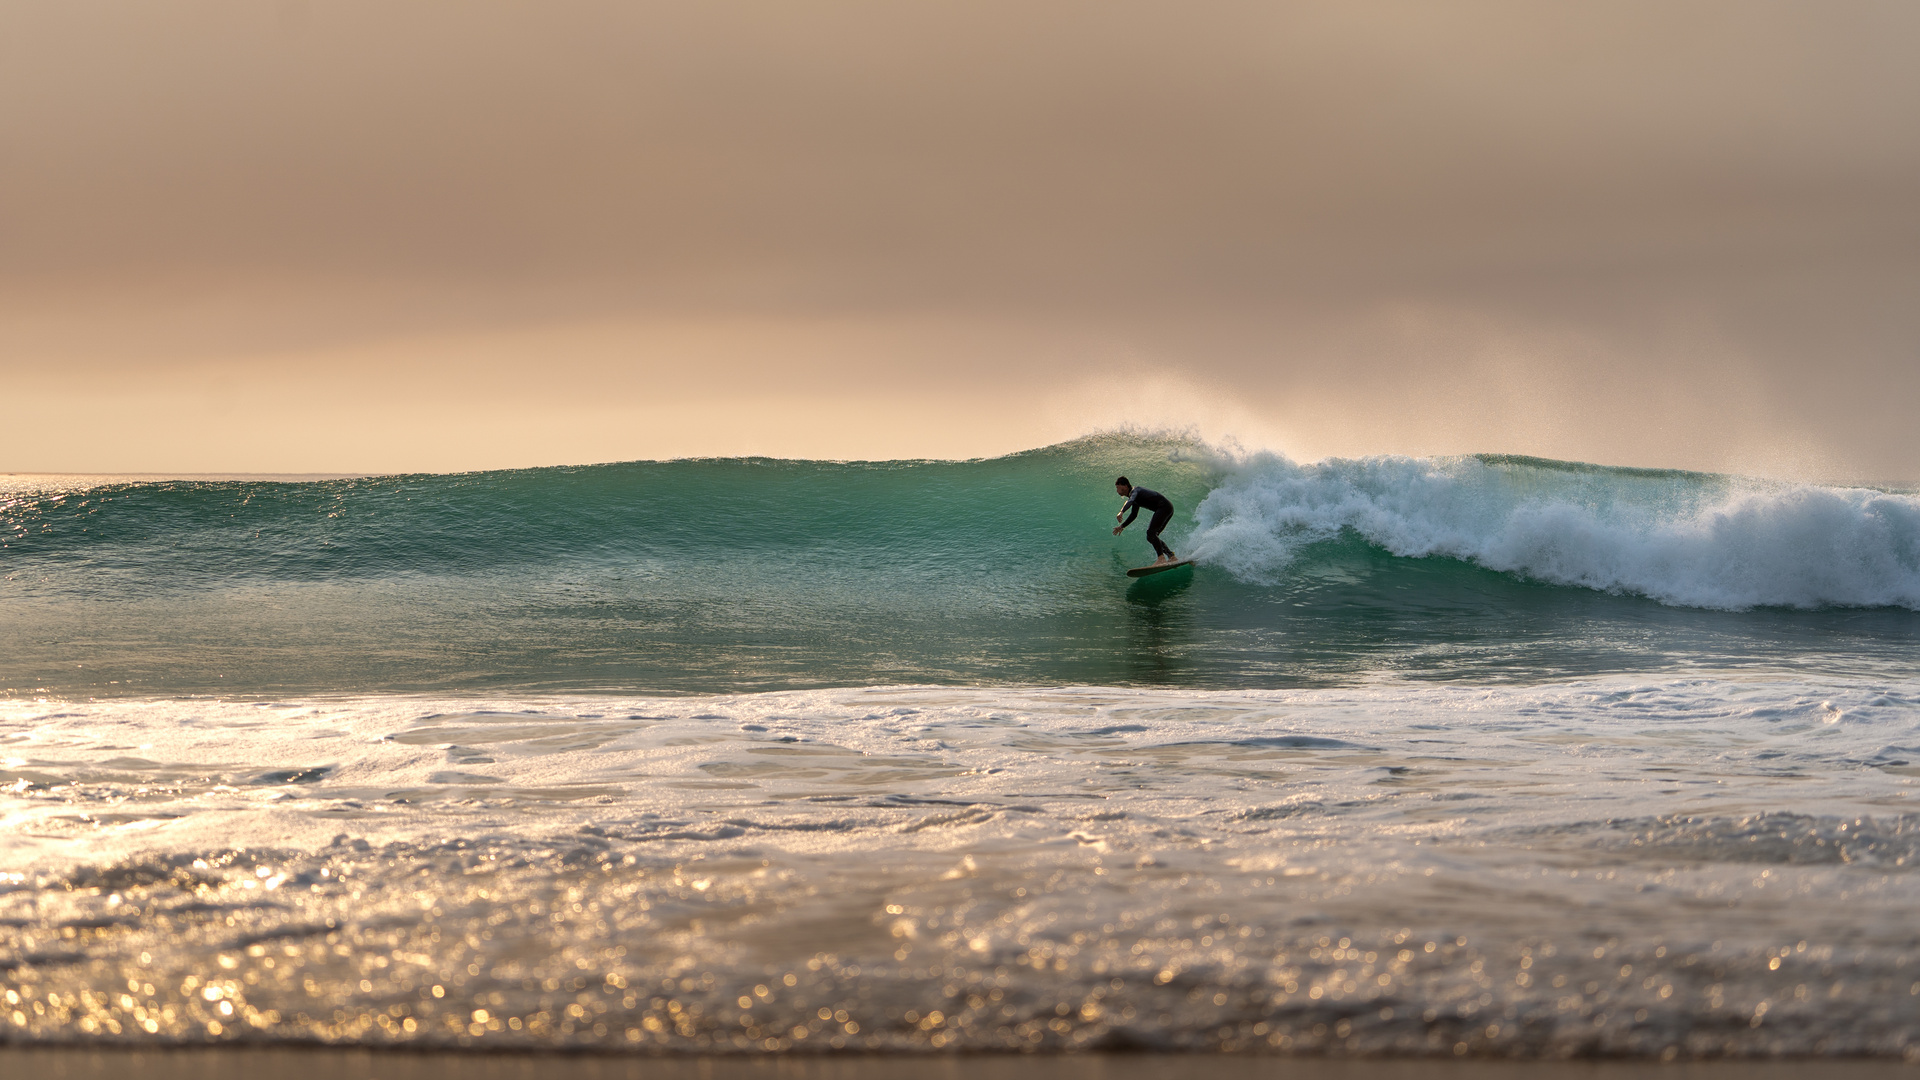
{"points": [[1153, 535]]}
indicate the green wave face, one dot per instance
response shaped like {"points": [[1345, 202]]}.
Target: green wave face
{"points": [[728, 575]]}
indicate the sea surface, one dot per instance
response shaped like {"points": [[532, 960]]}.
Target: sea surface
{"points": [[1484, 755]]}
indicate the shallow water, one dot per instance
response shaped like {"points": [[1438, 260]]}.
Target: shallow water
{"points": [[1660, 867], [300, 1063]]}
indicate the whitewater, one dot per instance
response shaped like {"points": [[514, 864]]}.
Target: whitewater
{"points": [[1687, 539], [1476, 755]]}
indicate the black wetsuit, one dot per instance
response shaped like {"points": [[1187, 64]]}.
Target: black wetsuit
{"points": [[1156, 504]]}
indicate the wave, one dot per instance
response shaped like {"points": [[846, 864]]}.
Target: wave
{"points": [[1686, 539], [1683, 538], [719, 576]]}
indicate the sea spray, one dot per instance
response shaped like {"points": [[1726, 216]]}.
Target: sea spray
{"points": [[1681, 538]]}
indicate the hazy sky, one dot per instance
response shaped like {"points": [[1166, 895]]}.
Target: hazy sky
{"points": [[396, 235]]}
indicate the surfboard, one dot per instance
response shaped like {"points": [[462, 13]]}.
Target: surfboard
{"points": [[1143, 571]]}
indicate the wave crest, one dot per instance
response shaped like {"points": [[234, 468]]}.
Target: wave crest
{"points": [[1687, 539]]}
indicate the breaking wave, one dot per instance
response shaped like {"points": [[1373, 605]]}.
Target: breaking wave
{"points": [[1686, 539]]}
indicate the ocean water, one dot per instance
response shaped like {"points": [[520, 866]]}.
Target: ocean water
{"points": [[1482, 755]]}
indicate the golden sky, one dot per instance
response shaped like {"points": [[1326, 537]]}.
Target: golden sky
{"points": [[400, 235]]}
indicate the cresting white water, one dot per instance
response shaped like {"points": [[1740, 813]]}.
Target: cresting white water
{"points": [[1677, 867], [1685, 539], [722, 576]]}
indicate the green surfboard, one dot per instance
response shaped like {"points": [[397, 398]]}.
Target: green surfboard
{"points": [[1158, 568]]}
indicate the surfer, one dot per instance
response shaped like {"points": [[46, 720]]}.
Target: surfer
{"points": [[1153, 502]]}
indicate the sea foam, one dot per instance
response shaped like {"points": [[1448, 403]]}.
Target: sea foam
{"points": [[1653, 868], [1685, 539]]}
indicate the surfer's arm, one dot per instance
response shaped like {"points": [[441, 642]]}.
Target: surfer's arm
{"points": [[1132, 506]]}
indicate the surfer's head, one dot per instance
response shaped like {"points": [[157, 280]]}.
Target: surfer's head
{"points": [[1123, 485]]}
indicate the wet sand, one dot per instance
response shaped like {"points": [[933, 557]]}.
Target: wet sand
{"points": [[315, 1063]]}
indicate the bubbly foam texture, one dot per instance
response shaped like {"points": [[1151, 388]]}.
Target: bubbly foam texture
{"points": [[1680, 538], [1692, 867]]}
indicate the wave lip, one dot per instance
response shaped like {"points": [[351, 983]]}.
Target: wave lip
{"points": [[1685, 539]]}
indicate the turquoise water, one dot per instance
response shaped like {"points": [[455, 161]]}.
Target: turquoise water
{"points": [[1477, 755], [751, 574]]}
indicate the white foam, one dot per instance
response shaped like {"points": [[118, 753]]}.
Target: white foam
{"points": [[1618, 866], [1682, 539], [196, 775]]}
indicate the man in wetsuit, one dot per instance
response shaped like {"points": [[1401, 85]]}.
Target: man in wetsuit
{"points": [[1152, 502]]}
